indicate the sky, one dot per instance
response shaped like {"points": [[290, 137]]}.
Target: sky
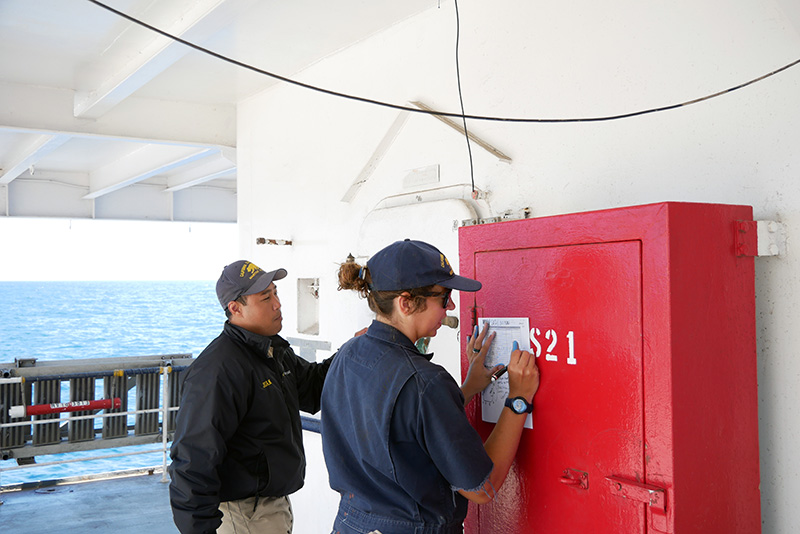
{"points": [[43, 249]]}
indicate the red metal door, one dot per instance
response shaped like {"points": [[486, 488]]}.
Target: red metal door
{"points": [[584, 307]]}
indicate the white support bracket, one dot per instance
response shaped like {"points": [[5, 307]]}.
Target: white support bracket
{"points": [[771, 238], [760, 238]]}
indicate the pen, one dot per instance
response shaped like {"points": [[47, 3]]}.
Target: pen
{"points": [[499, 373]]}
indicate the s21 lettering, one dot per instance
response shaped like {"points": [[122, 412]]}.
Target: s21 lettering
{"points": [[551, 340]]}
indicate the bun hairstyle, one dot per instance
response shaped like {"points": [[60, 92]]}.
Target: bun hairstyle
{"points": [[354, 276], [357, 278]]}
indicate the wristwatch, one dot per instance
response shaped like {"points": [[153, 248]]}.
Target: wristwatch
{"points": [[519, 405]]}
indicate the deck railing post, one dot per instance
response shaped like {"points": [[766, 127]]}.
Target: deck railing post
{"points": [[165, 418]]}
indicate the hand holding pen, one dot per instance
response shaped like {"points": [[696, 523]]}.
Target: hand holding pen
{"points": [[523, 374], [500, 372]]}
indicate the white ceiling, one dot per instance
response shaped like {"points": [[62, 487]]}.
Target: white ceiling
{"points": [[95, 103]]}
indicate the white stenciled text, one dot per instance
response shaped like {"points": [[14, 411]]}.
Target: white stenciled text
{"points": [[547, 342]]}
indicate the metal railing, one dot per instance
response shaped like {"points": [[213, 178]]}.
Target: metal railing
{"points": [[55, 392], [60, 388]]}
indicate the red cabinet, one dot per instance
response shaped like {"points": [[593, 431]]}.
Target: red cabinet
{"points": [[643, 321]]}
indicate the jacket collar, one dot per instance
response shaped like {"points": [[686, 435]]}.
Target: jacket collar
{"points": [[389, 334], [257, 341]]}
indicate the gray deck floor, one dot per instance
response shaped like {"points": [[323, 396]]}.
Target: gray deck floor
{"points": [[130, 505]]}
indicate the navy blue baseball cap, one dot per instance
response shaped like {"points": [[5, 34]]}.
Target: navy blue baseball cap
{"points": [[244, 278], [411, 264]]}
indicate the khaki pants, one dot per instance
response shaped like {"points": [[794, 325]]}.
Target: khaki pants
{"points": [[272, 515]]}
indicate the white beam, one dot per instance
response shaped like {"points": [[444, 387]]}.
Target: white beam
{"points": [[28, 152], [138, 56], [214, 165], [47, 109], [377, 155], [201, 180], [140, 164], [460, 129]]}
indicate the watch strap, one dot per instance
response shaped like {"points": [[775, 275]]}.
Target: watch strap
{"points": [[510, 404]]}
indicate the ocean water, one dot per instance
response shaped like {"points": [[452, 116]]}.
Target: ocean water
{"points": [[76, 320]]}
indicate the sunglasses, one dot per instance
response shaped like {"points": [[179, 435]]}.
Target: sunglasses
{"points": [[445, 296]]}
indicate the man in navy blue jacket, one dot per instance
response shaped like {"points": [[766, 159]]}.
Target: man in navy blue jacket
{"points": [[238, 451]]}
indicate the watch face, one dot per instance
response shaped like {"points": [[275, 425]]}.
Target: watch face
{"points": [[519, 405]]}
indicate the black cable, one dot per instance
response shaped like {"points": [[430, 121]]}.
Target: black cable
{"points": [[461, 99], [434, 112]]}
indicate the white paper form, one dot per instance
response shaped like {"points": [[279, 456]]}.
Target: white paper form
{"points": [[506, 330]]}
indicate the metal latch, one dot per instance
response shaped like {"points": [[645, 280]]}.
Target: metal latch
{"points": [[653, 496], [575, 478]]}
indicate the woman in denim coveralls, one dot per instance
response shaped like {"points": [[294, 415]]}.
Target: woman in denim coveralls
{"points": [[397, 443]]}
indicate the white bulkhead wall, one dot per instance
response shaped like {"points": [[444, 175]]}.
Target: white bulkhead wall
{"points": [[300, 152]]}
